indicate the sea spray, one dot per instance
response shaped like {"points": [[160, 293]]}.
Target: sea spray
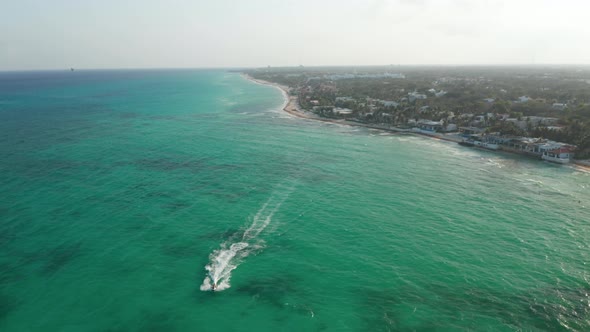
{"points": [[226, 259]]}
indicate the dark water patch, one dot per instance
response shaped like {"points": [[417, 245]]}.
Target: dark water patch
{"points": [[169, 164], [7, 305], [545, 310], [322, 326], [205, 116], [408, 309], [142, 185], [180, 250], [109, 94], [54, 259], [137, 190], [159, 194], [507, 308], [117, 327], [172, 247], [271, 290], [10, 273], [163, 117], [148, 321], [128, 115], [559, 307], [232, 233], [316, 178], [58, 213], [61, 256], [231, 192], [279, 244], [176, 206], [7, 236], [229, 167], [228, 195], [41, 168], [157, 321], [300, 309], [137, 223], [404, 309], [381, 313], [29, 130]]}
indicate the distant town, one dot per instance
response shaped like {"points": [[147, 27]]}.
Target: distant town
{"points": [[543, 112]]}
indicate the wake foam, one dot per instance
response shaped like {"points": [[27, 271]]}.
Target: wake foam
{"points": [[232, 252]]}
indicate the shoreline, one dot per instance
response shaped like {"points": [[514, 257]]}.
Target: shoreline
{"points": [[291, 106], [291, 103]]}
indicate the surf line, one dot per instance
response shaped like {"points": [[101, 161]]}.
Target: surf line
{"points": [[232, 251]]}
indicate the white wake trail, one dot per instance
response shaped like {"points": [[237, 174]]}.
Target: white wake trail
{"points": [[226, 259]]}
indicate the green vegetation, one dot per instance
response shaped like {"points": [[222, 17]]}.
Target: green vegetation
{"points": [[549, 102]]}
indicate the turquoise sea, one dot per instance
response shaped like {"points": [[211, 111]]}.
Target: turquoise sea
{"points": [[118, 189]]}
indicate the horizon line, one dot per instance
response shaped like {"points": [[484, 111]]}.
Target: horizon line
{"points": [[300, 66]]}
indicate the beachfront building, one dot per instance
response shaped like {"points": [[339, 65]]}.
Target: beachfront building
{"points": [[342, 111], [561, 155], [546, 149], [468, 131], [428, 127], [525, 145], [451, 127]]}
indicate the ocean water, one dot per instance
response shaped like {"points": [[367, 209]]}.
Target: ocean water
{"points": [[124, 193]]}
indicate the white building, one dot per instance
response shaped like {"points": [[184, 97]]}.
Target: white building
{"points": [[416, 96], [342, 111], [344, 99], [388, 103], [380, 75]]}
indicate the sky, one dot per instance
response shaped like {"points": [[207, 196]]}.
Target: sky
{"points": [[61, 34]]}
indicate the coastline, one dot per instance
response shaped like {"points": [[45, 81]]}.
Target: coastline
{"points": [[291, 106]]}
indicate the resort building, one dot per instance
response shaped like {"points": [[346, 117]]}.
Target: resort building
{"points": [[523, 99], [468, 131], [342, 111], [546, 149], [427, 126], [560, 155]]}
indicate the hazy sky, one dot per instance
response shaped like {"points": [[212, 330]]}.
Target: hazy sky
{"points": [[221, 33]]}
